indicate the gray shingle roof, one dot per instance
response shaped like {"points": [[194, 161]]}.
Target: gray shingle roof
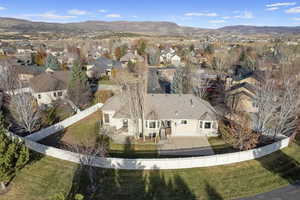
{"points": [[47, 82], [165, 106]]}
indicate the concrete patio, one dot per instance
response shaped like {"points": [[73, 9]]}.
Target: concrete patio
{"points": [[185, 146]]}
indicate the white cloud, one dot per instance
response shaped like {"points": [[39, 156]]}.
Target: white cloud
{"points": [[217, 21], [293, 10], [226, 17], [205, 14], [134, 16], [272, 8], [245, 15], [77, 12], [296, 19], [2, 8], [102, 11], [113, 16], [281, 4], [51, 15]]}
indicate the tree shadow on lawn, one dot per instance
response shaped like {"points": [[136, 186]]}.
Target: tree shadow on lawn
{"points": [[281, 164], [115, 184]]}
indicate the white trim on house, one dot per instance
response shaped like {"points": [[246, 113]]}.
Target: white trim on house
{"points": [[49, 97]]}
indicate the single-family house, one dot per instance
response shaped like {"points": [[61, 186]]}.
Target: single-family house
{"points": [[165, 115], [102, 67], [132, 57], [241, 87], [48, 87]]}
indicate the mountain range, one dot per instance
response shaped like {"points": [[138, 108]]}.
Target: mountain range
{"points": [[147, 27]]}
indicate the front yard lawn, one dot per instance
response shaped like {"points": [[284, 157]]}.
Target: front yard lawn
{"points": [[48, 176]]}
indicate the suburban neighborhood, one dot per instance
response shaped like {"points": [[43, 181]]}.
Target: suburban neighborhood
{"points": [[97, 105]]}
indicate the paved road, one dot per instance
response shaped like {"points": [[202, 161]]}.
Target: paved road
{"points": [[291, 192]]}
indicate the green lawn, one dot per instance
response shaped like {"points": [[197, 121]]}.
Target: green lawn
{"points": [[87, 131], [220, 146], [48, 176]]}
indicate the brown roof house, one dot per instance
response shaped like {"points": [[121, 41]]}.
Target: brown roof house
{"points": [[241, 88], [48, 87], [165, 114]]}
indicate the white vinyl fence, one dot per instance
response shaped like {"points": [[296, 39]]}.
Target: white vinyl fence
{"points": [[141, 164], [63, 124], [163, 163]]}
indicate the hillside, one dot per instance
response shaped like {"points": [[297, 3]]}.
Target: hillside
{"points": [[148, 27]]}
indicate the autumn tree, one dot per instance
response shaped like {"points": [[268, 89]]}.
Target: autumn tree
{"points": [[239, 133], [141, 47], [118, 53]]}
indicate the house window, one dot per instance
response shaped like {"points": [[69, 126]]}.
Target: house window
{"points": [[125, 123], [207, 125], [158, 124], [59, 94], [39, 96], [54, 94], [106, 118], [152, 124], [183, 121]]}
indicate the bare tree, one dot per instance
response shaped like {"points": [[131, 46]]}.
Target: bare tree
{"points": [[278, 107], [22, 105], [201, 86], [286, 118], [265, 102], [134, 93], [87, 158]]}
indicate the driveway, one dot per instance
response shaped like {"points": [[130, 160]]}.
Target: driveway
{"points": [[291, 192], [185, 146]]}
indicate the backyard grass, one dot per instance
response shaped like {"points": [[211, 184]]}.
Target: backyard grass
{"points": [[48, 176], [86, 132], [220, 146]]}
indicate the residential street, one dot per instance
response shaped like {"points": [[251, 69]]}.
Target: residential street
{"points": [[291, 192]]}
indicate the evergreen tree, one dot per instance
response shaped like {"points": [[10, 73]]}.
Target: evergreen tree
{"points": [[13, 156], [79, 90], [52, 63]]}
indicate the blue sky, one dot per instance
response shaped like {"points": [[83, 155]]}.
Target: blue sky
{"points": [[197, 13]]}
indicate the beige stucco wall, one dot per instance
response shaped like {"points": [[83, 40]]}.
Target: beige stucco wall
{"points": [[48, 97], [192, 128]]}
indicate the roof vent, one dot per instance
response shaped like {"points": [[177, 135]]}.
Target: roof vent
{"points": [[176, 112]]}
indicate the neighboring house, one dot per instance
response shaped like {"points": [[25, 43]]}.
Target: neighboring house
{"points": [[241, 87], [102, 67], [244, 75], [241, 98], [133, 57], [48, 87], [165, 115]]}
